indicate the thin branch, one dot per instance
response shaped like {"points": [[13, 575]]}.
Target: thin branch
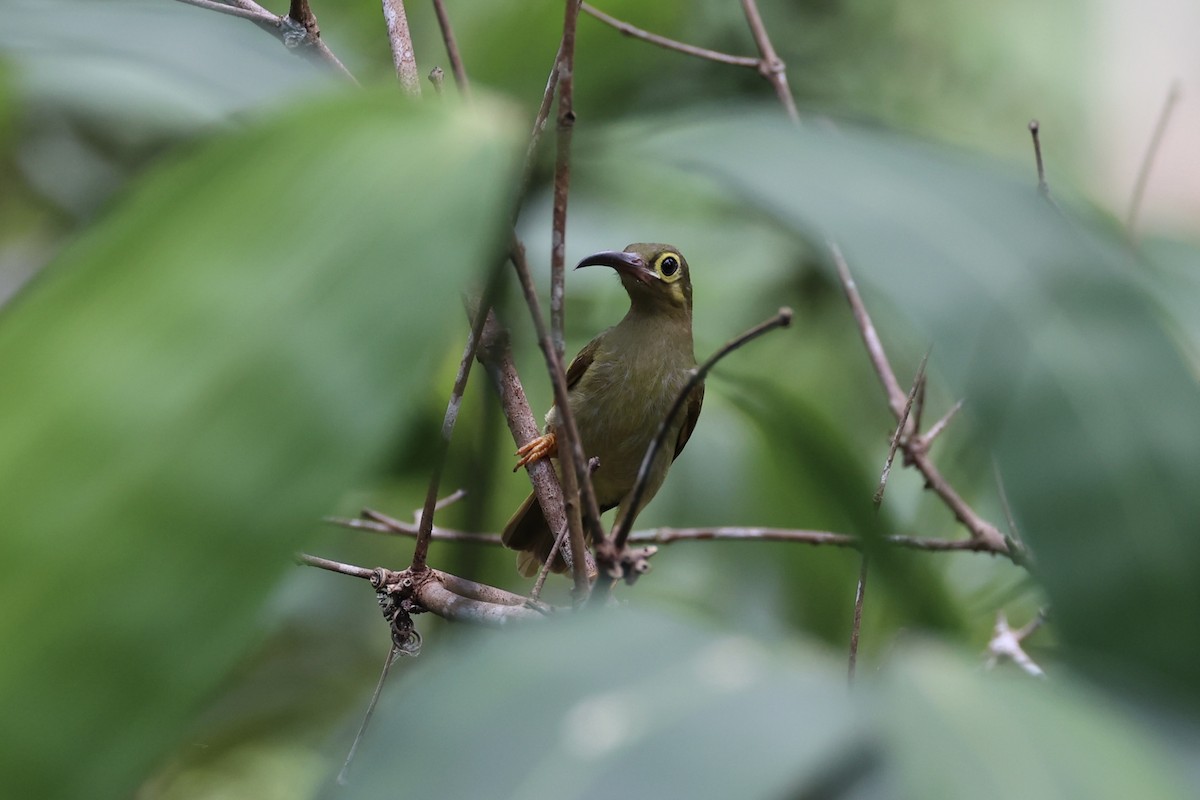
{"points": [[939, 426], [670, 44], [917, 387], [771, 66], [609, 553], [344, 774], [437, 598], [855, 629], [249, 5], [296, 30], [456, 63], [577, 484], [496, 357], [1034, 129], [539, 121], [481, 591], [914, 451], [562, 175], [335, 566], [263, 17], [439, 593], [403, 55], [666, 536], [1008, 515], [1143, 176], [421, 551], [1028, 628], [895, 395]]}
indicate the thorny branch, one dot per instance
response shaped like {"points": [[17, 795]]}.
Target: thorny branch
{"points": [[771, 66], [496, 357], [915, 446], [663, 536], [768, 64], [296, 29], [670, 44]]}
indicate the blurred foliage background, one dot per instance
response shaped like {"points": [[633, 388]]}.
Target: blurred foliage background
{"points": [[231, 308]]}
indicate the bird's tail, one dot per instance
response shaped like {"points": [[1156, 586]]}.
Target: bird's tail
{"points": [[529, 532]]}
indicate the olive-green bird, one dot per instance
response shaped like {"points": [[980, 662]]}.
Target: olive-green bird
{"points": [[620, 387]]}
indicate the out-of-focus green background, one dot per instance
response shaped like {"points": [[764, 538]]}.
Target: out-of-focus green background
{"points": [[231, 288]]}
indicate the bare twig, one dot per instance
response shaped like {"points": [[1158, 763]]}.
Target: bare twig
{"points": [[577, 484], [856, 627], [496, 357], [344, 774], [917, 387], [425, 521], [609, 553], [666, 536], [297, 29], [1143, 176], [249, 5], [936, 429], [562, 174], [914, 447], [456, 63], [1034, 129], [895, 395], [670, 44], [540, 119], [260, 15], [335, 566], [402, 50], [1008, 515], [771, 65], [447, 596]]}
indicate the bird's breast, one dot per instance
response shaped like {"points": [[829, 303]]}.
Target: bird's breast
{"points": [[618, 404]]}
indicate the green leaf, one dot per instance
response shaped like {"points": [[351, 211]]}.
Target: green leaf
{"points": [[195, 381], [1040, 320], [951, 731], [619, 704]]}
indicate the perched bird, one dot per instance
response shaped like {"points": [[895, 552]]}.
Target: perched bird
{"points": [[620, 388]]}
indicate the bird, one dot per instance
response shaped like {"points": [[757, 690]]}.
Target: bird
{"points": [[620, 388]]}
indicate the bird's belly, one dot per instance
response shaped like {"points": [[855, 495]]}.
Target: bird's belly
{"points": [[619, 421]]}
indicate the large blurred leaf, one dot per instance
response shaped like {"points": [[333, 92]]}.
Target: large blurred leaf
{"points": [[107, 84], [196, 379], [617, 704], [630, 704], [1039, 321], [950, 731]]}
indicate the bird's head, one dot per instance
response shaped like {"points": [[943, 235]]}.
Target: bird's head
{"points": [[655, 276]]}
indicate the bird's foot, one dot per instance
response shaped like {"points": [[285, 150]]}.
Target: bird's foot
{"points": [[542, 447]]}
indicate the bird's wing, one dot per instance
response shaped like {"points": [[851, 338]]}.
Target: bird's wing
{"points": [[581, 362], [694, 401]]}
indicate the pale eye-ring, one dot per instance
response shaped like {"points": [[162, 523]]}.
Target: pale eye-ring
{"points": [[668, 266]]}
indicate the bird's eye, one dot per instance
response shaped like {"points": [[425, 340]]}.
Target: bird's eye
{"points": [[668, 266]]}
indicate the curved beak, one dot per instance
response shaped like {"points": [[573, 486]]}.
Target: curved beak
{"points": [[630, 264]]}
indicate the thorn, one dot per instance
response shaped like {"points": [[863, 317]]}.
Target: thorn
{"points": [[940, 425]]}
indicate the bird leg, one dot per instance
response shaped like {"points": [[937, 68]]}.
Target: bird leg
{"points": [[535, 450]]}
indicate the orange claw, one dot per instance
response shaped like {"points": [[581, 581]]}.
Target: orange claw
{"points": [[537, 449]]}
